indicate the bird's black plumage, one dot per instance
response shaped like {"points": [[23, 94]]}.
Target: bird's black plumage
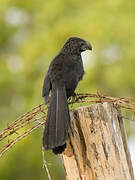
{"points": [[64, 73]]}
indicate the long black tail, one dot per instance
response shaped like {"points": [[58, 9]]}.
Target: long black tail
{"points": [[57, 124]]}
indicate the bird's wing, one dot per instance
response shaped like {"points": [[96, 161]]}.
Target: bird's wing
{"points": [[46, 87]]}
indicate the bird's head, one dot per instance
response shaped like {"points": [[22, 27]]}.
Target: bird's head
{"points": [[75, 45]]}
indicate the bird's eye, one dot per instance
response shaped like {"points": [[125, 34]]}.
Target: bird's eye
{"points": [[82, 43]]}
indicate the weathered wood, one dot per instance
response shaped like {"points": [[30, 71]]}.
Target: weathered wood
{"points": [[97, 147]]}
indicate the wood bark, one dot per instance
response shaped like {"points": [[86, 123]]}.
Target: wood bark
{"points": [[97, 146]]}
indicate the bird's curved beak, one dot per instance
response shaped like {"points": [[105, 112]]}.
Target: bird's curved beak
{"points": [[88, 46]]}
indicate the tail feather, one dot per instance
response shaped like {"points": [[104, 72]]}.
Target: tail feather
{"points": [[56, 129], [59, 149]]}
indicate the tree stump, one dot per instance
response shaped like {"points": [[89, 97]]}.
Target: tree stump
{"points": [[97, 146]]}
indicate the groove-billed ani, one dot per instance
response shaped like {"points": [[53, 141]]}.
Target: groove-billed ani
{"points": [[64, 73]]}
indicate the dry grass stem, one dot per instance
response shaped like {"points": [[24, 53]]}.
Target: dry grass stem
{"points": [[45, 164]]}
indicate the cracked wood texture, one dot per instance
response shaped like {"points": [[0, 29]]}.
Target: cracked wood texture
{"points": [[97, 146]]}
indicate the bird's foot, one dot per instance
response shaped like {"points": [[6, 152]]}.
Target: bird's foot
{"points": [[76, 98]]}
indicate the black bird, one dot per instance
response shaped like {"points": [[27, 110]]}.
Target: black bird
{"points": [[64, 73]]}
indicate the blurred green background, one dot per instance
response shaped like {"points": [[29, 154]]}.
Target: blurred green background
{"points": [[31, 34]]}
